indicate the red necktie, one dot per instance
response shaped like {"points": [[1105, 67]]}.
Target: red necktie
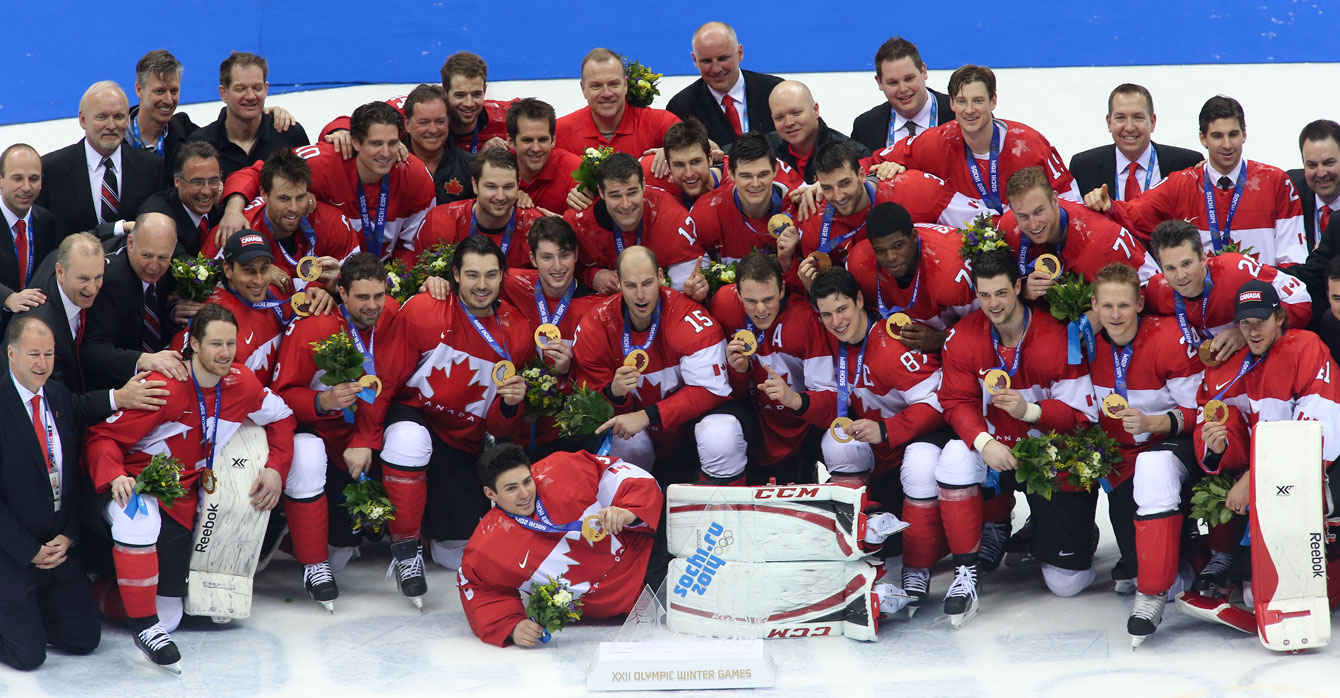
{"points": [[733, 116], [79, 343], [21, 246], [204, 228], [1132, 184], [41, 433], [1325, 220]]}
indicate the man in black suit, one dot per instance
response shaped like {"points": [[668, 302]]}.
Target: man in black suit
{"points": [[1134, 163], [44, 594], [800, 134], [96, 180], [155, 124], [244, 132], [193, 200], [29, 230], [728, 100], [1318, 181], [912, 107], [129, 324]]}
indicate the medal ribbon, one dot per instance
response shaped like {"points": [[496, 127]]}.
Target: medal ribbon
{"points": [[208, 436], [651, 333], [506, 243], [367, 395], [990, 197], [1026, 266], [618, 237], [1212, 215], [562, 308], [1019, 351], [139, 142], [826, 229], [775, 208], [1249, 362], [272, 304], [308, 234], [843, 385], [1184, 323], [374, 241], [885, 311], [893, 119], [544, 524], [483, 331]]}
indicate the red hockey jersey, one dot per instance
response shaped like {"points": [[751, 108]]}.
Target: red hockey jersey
{"points": [[492, 123], [549, 189], [662, 230], [331, 237], [723, 230], [942, 285], [451, 223], [1089, 242], [1228, 272]]}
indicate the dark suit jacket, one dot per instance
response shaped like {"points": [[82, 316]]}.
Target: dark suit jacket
{"points": [[27, 519], [268, 140], [1098, 166], [825, 136], [1309, 200], [44, 242], [697, 101], [169, 202], [90, 407], [178, 129], [66, 192], [871, 129], [114, 335]]}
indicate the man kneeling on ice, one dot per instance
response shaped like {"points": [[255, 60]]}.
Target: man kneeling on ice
{"points": [[587, 521]]}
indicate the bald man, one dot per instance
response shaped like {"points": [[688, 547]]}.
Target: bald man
{"points": [[800, 133], [716, 53], [96, 180], [608, 120], [129, 324], [29, 230]]}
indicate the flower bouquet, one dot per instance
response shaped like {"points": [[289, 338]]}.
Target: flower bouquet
{"points": [[160, 479], [434, 261], [543, 398], [369, 507], [718, 274], [1081, 458], [981, 236], [196, 277], [553, 607], [339, 358], [585, 174], [401, 282], [643, 84], [1208, 500], [585, 411], [1069, 298]]}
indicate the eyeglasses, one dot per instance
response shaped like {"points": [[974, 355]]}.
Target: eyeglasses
{"points": [[212, 182]]}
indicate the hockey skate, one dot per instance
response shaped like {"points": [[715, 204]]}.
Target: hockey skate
{"points": [[1213, 578], [890, 598], [159, 648], [917, 584], [320, 584], [408, 570], [961, 599], [1122, 580], [994, 537], [1217, 611], [1019, 549], [1146, 614]]}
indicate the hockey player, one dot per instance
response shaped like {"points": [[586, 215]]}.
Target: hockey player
{"points": [[1041, 394], [246, 291], [326, 442], [1145, 377], [1229, 199], [1186, 287], [384, 199], [494, 213], [1039, 222], [452, 389], [734, 218], [975, 152], [913, 269], [660, 359], [785, 340], [535, 531], [628, 214], [200, 416], [688, 154]]}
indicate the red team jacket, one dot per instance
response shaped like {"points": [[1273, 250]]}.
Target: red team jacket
{"points": [[661, 230], [452, 223], [640, 130], [1269, 218], [668, 184], [504, 558], [942, 284], [549, 189], [125, 442], [1089, 242], [1164, 374], [335, 181], [333, 238], [722, 229], [1228, 272], [492, 123]]}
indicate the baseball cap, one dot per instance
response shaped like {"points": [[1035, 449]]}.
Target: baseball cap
{"points": [[1256, 299], [246, 245]]}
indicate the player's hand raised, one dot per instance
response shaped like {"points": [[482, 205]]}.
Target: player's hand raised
{"points": [[1098, 200], [625, 380]]}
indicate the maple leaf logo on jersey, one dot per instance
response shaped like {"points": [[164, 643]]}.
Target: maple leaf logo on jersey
{"points": [[1020, 147], [1254, 183], [457, 383], [452, 186]]}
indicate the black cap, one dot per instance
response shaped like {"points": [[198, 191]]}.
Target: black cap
{"points": [[246, 245], [1256, 299]]}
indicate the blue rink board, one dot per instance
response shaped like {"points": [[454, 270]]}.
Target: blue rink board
{"points": [[51, 55]]}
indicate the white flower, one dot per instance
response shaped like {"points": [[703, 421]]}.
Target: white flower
{"points": [[562, 597], [592, 153], [202, 273], [377, 512], [1051, 452], [728, 276]]}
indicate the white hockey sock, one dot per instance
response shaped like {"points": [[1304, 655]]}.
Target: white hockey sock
{"points": [[448, 553], [340, 557], [169, 611]]}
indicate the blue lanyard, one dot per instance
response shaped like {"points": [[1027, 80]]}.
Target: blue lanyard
{"points": [[474, 137], [1149, 173], [207, 436], [618, 237], [1212, 216], [1018, 351], [990, 197], [651, 333], [545, 524], [1121, 363], [893, 119], [845, 386], [483, 332], [272, 304], [562, 308], [884, 311], [1026, 245], [307, 232], [369, 362], [506, 243], [825, 245], [776, 208], [749, 322], [1249, 362], [1179, 308], [374, 242], [28, 236], [139, 143]]}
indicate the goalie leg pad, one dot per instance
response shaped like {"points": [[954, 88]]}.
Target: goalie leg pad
{"points": [[639, 450], [807, 522], [722, 449]]}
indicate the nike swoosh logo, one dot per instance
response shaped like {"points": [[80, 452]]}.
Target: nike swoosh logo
{"points": [[251, 336], [1221, 385], [1064, 554], [983, 371], [525, 560]]}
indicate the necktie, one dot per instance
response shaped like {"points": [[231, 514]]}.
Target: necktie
{"points": [[911, 128], [1225, 183], [40, 431], [81, 323], [732, 115], [204, 228], [1325, 220], [21, 248], [107, 210], [1132, 183], [153, 337]]}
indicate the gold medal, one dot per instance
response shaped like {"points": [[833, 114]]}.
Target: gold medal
{"points": [[593, 530], [896, 323], [546, 332], [299, 304], [208, 482], [308, 269], [778, 223], [749, 340], [370, 381], [1216, 411], [503, 371], [1207, 353], [821, 260], [638, 359], [1113, 404], [997, 381], [838, 430], [1050, 264]]}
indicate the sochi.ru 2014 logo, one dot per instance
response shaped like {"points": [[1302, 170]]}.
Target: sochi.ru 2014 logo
{"points": [[701, 569]]}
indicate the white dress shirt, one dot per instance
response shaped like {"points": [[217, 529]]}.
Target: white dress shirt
{"points": [[1142, 171], [95, 173], [736, 93], [48, 421]]}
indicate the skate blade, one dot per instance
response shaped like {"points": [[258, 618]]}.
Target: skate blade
{"points": [[328, 605], [1137, 640], [1125, 587], [1013, 560], [418, 603], [957, 621]]}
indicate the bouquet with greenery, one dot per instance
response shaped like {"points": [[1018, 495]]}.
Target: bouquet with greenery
{"points": [[161, 479], [1080, 458], [369, 507], [543, 398], [718, 274], [553, 606], [643, 84], [401, 282], [196, 277], [1208, 500], [1070, 297], [585, 174], [339, 358], [434, 261], [585, 411], [981, 236]]}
